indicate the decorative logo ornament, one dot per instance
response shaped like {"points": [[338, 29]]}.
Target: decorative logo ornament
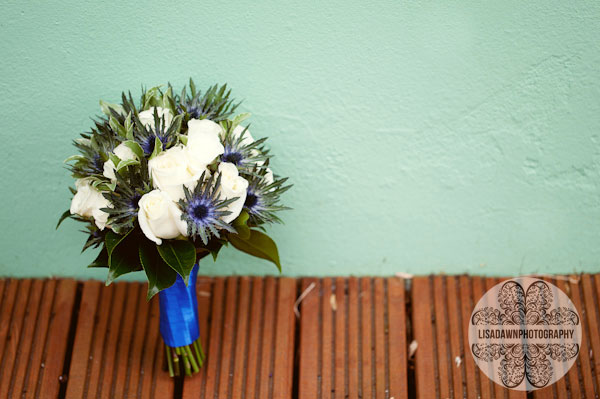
{"points": [[525, 334]]}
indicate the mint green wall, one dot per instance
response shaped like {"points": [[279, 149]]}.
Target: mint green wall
{"points": [[451, 137]]}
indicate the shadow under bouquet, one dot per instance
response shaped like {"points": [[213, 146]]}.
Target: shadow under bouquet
{"points": [[164, 183]]}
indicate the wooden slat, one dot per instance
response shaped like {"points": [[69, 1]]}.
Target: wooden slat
{"points": [[90, 297], [31, 381], [423, 334], [149, 360], [326, 336], [456, 350], [466, 302], [572, 377], [240, 364], [381, 361], [254, 349], [227, 338], [114, 332], [353, 338], [398, 371], [284, 340], [123, 359], [442, 335], [10, 297], [584, 353], [340, 390], [593, 321], [163, 386], [56, 339], [213, 351], [487, 389], [134, 371], [265, 387], [13, 339], [309, 337], [366, 333], [29, 325], [100, 333]]}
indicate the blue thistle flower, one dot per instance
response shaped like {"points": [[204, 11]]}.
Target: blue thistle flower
{"points": [[203, 209], [239, 151], [262, 196], [214, 103]]}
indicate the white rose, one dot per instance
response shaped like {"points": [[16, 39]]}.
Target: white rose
{"points": [[169, 172], [124, 153], [232, 185], [101, 217], [203, 144], [147, 117], [159, 217], [88, 201]]}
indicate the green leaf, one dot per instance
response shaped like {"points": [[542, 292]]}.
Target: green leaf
{"points": [[113, 239], [258, 244], [65, 215], [240, 118], [107, 106], [115, 159], [135, 147], [126, 163], [101, 260], [180, 255], [128, 127], [75, 158], [160, 275], [123, 255], [157, 148], [240, 225], [117, 127], [166, 96]]}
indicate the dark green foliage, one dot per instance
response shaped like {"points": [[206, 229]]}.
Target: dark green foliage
{"points": [[159, 274], [257, 244], [263, 196], [214, 103], [132, 184], [180, 255]]}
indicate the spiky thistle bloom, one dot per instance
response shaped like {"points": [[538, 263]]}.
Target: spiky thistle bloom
{"points": [[262, 198], [239, 149], [131, 186], [94, 148], [214, 104], [165, 132], [203, 209]]}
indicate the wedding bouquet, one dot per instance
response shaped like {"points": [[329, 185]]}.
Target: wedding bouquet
{"points": [[164, 183]]}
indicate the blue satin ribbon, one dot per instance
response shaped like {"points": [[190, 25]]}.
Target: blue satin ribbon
{"points": [[179, 312]]}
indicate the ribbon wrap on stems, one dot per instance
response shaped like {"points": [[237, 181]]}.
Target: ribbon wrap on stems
{"points": [[179, 312]]}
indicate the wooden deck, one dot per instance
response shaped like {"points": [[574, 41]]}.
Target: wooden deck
{"points": [[63, 338]]}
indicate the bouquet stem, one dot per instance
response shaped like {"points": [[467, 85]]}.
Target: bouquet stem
{"points": [[184, 358], [179, 327]]}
